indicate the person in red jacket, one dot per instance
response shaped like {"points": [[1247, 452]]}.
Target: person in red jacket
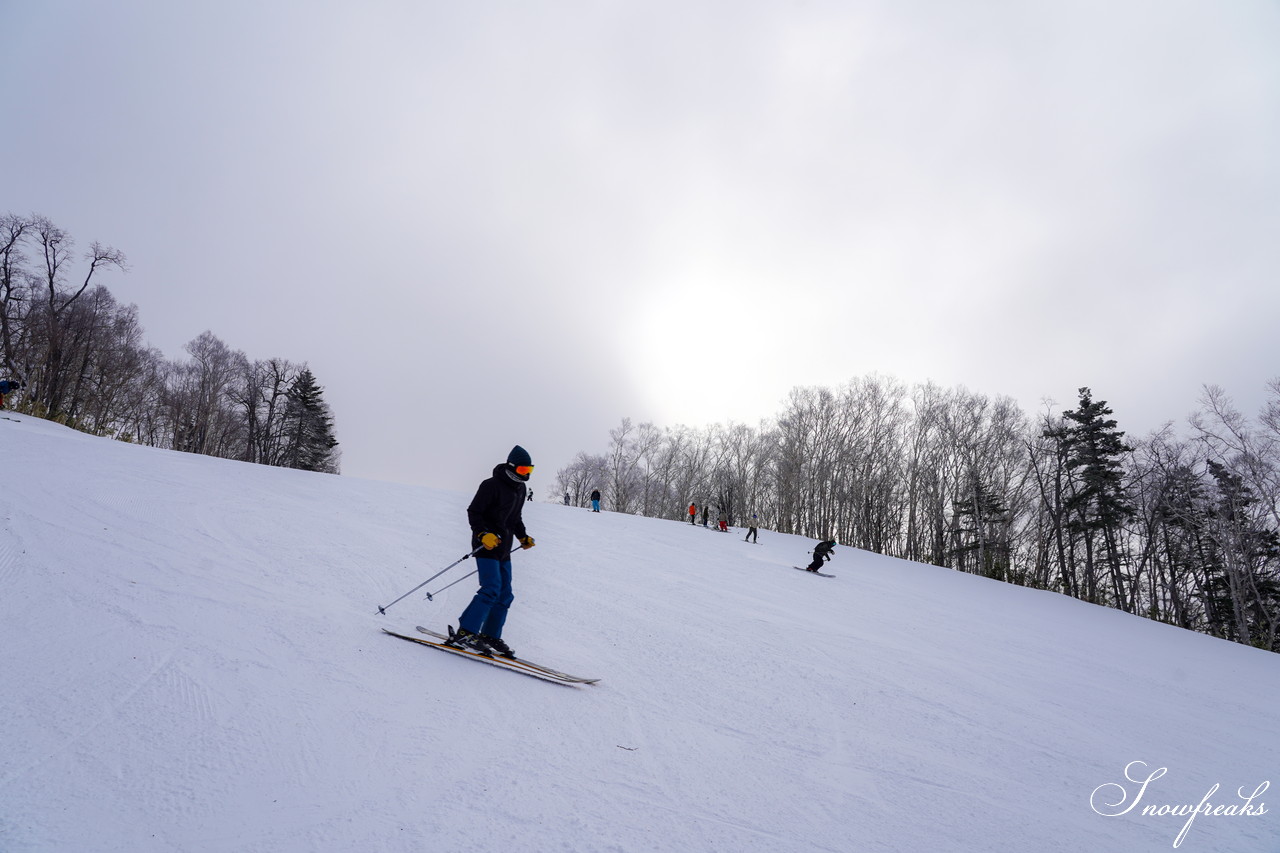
{"points": [[693, 514], [497, 523]]}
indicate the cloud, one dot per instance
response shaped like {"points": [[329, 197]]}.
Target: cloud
{"points": [[484, 225]]}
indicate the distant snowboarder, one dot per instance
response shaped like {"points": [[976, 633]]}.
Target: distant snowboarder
{"points": [[595, 500]]}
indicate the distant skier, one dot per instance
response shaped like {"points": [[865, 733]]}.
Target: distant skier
{"points": [[722, 521], [753, 535], [693, 514], [704, 515], [595, 500], [496, 521], [7, 386], [566, 498], [821, 554]]}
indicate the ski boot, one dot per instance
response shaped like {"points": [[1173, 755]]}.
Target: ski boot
{"points": [[464, 639], [498, 647]]}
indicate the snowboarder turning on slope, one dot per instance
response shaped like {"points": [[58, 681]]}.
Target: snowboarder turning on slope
{"points": [[821, 554], [496, 523]]}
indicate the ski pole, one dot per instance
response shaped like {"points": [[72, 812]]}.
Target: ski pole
{"points": [[383, 609], [431, 595]]}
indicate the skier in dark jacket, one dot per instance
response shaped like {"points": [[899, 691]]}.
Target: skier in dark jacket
{"points": [[496, 520], [7, 386], [821, 554], [595, 500]]}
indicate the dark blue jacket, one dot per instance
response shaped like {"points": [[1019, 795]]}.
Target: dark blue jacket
{"points": [[497, 508]]}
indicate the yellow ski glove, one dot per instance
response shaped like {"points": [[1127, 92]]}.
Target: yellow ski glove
{"points": [[489, 541], [526, 542]]}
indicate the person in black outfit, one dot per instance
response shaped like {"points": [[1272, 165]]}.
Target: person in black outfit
{"points": [[8, 386], [496, 524], [821, 554]]}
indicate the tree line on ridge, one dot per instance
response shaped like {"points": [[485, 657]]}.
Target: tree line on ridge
{"points": [[83, 362], [1183, 529]]}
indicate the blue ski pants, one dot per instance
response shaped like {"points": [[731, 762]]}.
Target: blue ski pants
{"points": [[487, 612]]}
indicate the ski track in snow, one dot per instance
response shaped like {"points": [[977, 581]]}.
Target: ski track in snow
{"points": [[77, 732], [9, 550]]}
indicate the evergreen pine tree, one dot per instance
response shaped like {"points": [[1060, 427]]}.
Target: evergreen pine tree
{"points": [[1247, 591], [309, 427], [1098, 506], [1183, 554], [981, 518]]}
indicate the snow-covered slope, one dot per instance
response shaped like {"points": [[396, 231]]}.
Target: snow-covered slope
{"points": [[191, 661]]}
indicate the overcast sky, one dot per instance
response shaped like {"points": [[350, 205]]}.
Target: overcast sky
{"points": [[518, 222]]}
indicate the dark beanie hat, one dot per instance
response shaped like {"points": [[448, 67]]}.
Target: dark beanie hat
{"points": [[519, 456]]}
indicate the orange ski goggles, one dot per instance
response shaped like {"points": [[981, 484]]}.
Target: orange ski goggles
{"points": [[524, 470]]}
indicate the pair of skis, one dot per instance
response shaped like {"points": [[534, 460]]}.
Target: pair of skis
{"points": [[520, 665]]}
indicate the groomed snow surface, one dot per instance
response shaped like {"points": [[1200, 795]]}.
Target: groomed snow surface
{"points": [[192, 661]]}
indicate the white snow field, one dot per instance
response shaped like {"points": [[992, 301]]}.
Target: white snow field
{"points": [[191, 661]]}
